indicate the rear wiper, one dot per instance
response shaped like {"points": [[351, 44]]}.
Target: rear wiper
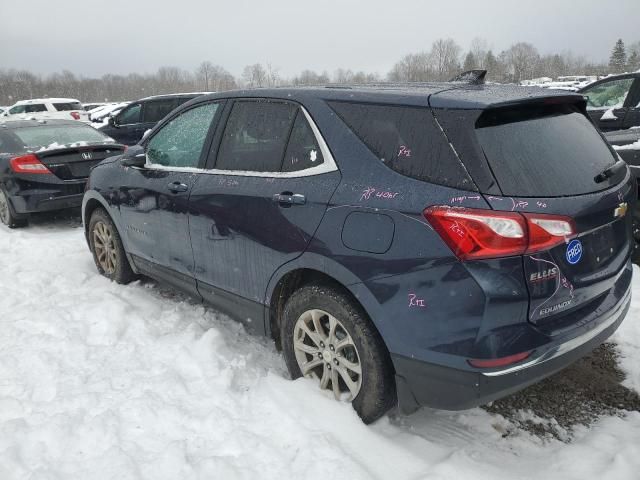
{"points": [[610, 171]]}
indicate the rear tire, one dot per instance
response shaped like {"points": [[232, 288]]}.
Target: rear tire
{"points": [[107, 249], [327, 334], [8, 215]]}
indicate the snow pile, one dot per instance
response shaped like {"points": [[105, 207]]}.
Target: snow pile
{"points": [[102, 381]]}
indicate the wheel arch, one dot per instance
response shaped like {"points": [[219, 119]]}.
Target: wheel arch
{"points": [[297, 277]]}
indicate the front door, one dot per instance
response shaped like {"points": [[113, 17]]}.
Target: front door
{"points": [[260, 206], [154, 203], [608, 103]]}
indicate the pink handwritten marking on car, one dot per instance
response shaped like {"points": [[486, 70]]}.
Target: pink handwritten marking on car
{"points": [[541, 204], [404, 152], [368, 192], [465, 197], [519, 204], [495, 198], [457, 229], [414, 301]]}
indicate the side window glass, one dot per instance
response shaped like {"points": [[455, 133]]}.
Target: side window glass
{"points": [[255, 136], [303, 150], [179, 143], [17, 109], [405, 139], [157, 110], [608, 95], [130, 115]]}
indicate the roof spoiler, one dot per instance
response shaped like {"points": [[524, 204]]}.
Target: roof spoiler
{"points": [[472, 77]]}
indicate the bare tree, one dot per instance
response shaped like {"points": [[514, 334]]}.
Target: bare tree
{"points": [[479, 48], [254, 75], [521, 59], [445, 57]]}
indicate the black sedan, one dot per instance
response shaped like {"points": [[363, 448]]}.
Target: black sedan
{"points": [[44, 165]]}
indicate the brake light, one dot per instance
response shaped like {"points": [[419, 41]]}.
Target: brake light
{"points": [[474, 234], [75, 115], [548, 231], [499, 362], [27, 164]]}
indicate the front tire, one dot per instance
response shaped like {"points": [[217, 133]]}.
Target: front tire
{"points": [[327, 336], [7, 215], [108, 252]]}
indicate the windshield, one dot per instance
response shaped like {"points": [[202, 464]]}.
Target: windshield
{"points": [[545, 151]]}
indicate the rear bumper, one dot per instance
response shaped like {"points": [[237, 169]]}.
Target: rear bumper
{"points": [[54, 197], [424, 384]]}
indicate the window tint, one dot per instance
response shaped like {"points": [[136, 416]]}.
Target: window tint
{"points": [[65, 107], [303, 150], [130, 115], [609, 94], [407, 140], [179, 143], [544, 151], [158, 109], [255, 136], [31, 108]]}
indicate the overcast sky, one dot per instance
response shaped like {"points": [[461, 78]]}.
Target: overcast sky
{"points": [[94, 37]]}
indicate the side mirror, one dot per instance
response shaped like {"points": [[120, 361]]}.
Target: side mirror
{"points": [[134, 157], [112, 121]]}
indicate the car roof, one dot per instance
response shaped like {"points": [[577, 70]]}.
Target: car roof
{"points": [[43, 100], [438, 95], [12, 124], [608, 78], [175, 95]]}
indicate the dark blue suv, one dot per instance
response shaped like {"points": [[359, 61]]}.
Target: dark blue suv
{"points": [[440, 245]]}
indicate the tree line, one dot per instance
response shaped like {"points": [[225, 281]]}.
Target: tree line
{"points": [[442, 61]]}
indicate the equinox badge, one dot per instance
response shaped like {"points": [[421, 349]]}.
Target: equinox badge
{"points": [[621, 210]]}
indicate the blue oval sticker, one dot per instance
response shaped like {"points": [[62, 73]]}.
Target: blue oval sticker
{"points": [[574, 252]]}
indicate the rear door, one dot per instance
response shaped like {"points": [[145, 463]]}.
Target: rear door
{"points": [[261, 204], [154, 199], [546, 160]]}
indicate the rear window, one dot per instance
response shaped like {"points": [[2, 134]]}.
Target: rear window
{"points": [[35, 138], [65, 107], [545, 151], [407, 140]]}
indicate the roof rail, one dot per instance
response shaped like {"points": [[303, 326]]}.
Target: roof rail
{"points": [[473, 77]]}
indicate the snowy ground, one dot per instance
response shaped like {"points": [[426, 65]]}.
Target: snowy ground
{"points": [[101, 381]]}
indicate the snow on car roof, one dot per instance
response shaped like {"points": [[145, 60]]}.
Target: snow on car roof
{"points": [[44, 100]]}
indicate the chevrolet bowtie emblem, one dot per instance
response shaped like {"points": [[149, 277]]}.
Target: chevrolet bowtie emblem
{"points": [[621, 211]]}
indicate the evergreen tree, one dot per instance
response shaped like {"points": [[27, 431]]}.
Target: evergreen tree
{"points": [[470, 62], [618, 59]]}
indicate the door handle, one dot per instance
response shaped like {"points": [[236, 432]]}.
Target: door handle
{"points": [[177, 187], [288, 198]]}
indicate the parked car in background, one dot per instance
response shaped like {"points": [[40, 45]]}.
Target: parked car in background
{"points": [[129, 125], [627, 144], [101, 114], [91, 106], [60, 108], [420, 245], [44, 165], [614, 102], [2, 110]]}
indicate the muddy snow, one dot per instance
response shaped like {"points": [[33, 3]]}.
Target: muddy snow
{"points": [[103, 381]]}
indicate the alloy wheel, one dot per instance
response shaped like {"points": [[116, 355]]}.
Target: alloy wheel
{"points": [[105, 248], [326, 352]]}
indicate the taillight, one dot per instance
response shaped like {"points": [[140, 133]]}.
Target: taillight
{"points": [[474, 234], [27, 164], [75, 115]]}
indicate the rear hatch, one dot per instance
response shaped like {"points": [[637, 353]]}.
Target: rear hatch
{"points": [[546, 158]]}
